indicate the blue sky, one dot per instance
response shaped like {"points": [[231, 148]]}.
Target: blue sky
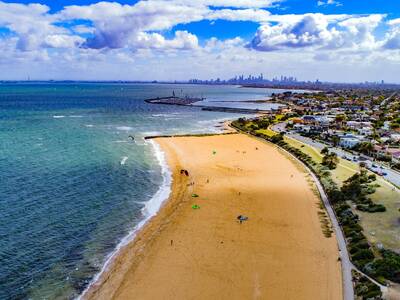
{"points": [[291, 6], [332, 40]]}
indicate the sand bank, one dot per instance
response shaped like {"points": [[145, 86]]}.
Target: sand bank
{"points": [[280, 252]]}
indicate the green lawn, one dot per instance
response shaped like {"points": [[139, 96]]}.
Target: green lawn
{"points": [[314, 153], [267, 132]]}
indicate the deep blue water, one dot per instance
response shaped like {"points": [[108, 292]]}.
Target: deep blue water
{"points": [[72, 183]]}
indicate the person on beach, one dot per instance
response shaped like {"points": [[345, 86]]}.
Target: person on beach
{"points": [[242, 218]]}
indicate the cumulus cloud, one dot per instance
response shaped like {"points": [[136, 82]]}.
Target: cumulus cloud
{"points": [[34, 27], [183, 40], [393, 35], [117, 25], [318, 31], [81, 37]]}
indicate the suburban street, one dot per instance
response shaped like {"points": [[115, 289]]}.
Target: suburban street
{"points": [[390, 175]]}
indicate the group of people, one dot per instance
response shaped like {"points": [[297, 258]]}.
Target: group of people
{"points": [[184, 172]]}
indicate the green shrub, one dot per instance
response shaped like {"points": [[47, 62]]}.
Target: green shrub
{"points": [[388, 266]]}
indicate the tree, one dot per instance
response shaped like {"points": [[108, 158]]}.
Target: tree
{"points": [[330, 160], [325, 151], [335, 140], [339, 119], [365, 147], [277, 138]]}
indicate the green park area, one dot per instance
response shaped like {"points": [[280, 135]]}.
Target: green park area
{"points": [[380, 228]]}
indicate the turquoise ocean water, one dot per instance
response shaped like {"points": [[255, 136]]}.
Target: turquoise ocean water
{"points": [[72, 182]]}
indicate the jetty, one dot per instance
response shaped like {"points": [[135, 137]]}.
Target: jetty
{"points": [[173, 100], [191, 101]]}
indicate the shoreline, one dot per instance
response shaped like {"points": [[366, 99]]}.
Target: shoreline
{"points": [[136, 251], [151, 208], [224, 128]]}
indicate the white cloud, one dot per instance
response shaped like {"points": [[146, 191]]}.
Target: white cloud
{"points": [[392, 41], [34, 27], [83, 29], [183, 40], [116, 25], [62, 41], [255, 15], [318, 31], [130, 41], [231, 3], [329, 2]]}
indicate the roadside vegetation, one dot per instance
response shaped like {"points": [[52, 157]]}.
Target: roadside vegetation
{"points": [[364, 288], [330, 159]]}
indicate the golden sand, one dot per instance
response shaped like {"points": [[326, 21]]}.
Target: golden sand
{"points": [[280, 252]]}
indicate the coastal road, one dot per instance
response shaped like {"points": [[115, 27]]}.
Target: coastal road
{"points": [[385, 101], [391, 176]]}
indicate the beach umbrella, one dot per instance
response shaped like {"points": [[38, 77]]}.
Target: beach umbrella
{"points": [[195, 206], [214, 152], [195, 195]]}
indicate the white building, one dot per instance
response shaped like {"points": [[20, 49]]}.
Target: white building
{"points": [[365, 131], [395, 137], [358, 125], [349, 140]]}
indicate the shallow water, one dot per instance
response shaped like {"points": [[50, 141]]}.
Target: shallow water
{"points": [[73, 183]]}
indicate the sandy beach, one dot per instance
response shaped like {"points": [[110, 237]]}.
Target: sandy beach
{"points": [[195, 248]]}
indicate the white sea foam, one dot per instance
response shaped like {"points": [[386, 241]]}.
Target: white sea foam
{"points": [[149, 210], [76, 116], [89, 125], [58, 116], [123, 160], [120, 141], [124, 128], [140, 142]]}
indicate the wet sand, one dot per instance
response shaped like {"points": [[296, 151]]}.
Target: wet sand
{"points": [[280, 252]]}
